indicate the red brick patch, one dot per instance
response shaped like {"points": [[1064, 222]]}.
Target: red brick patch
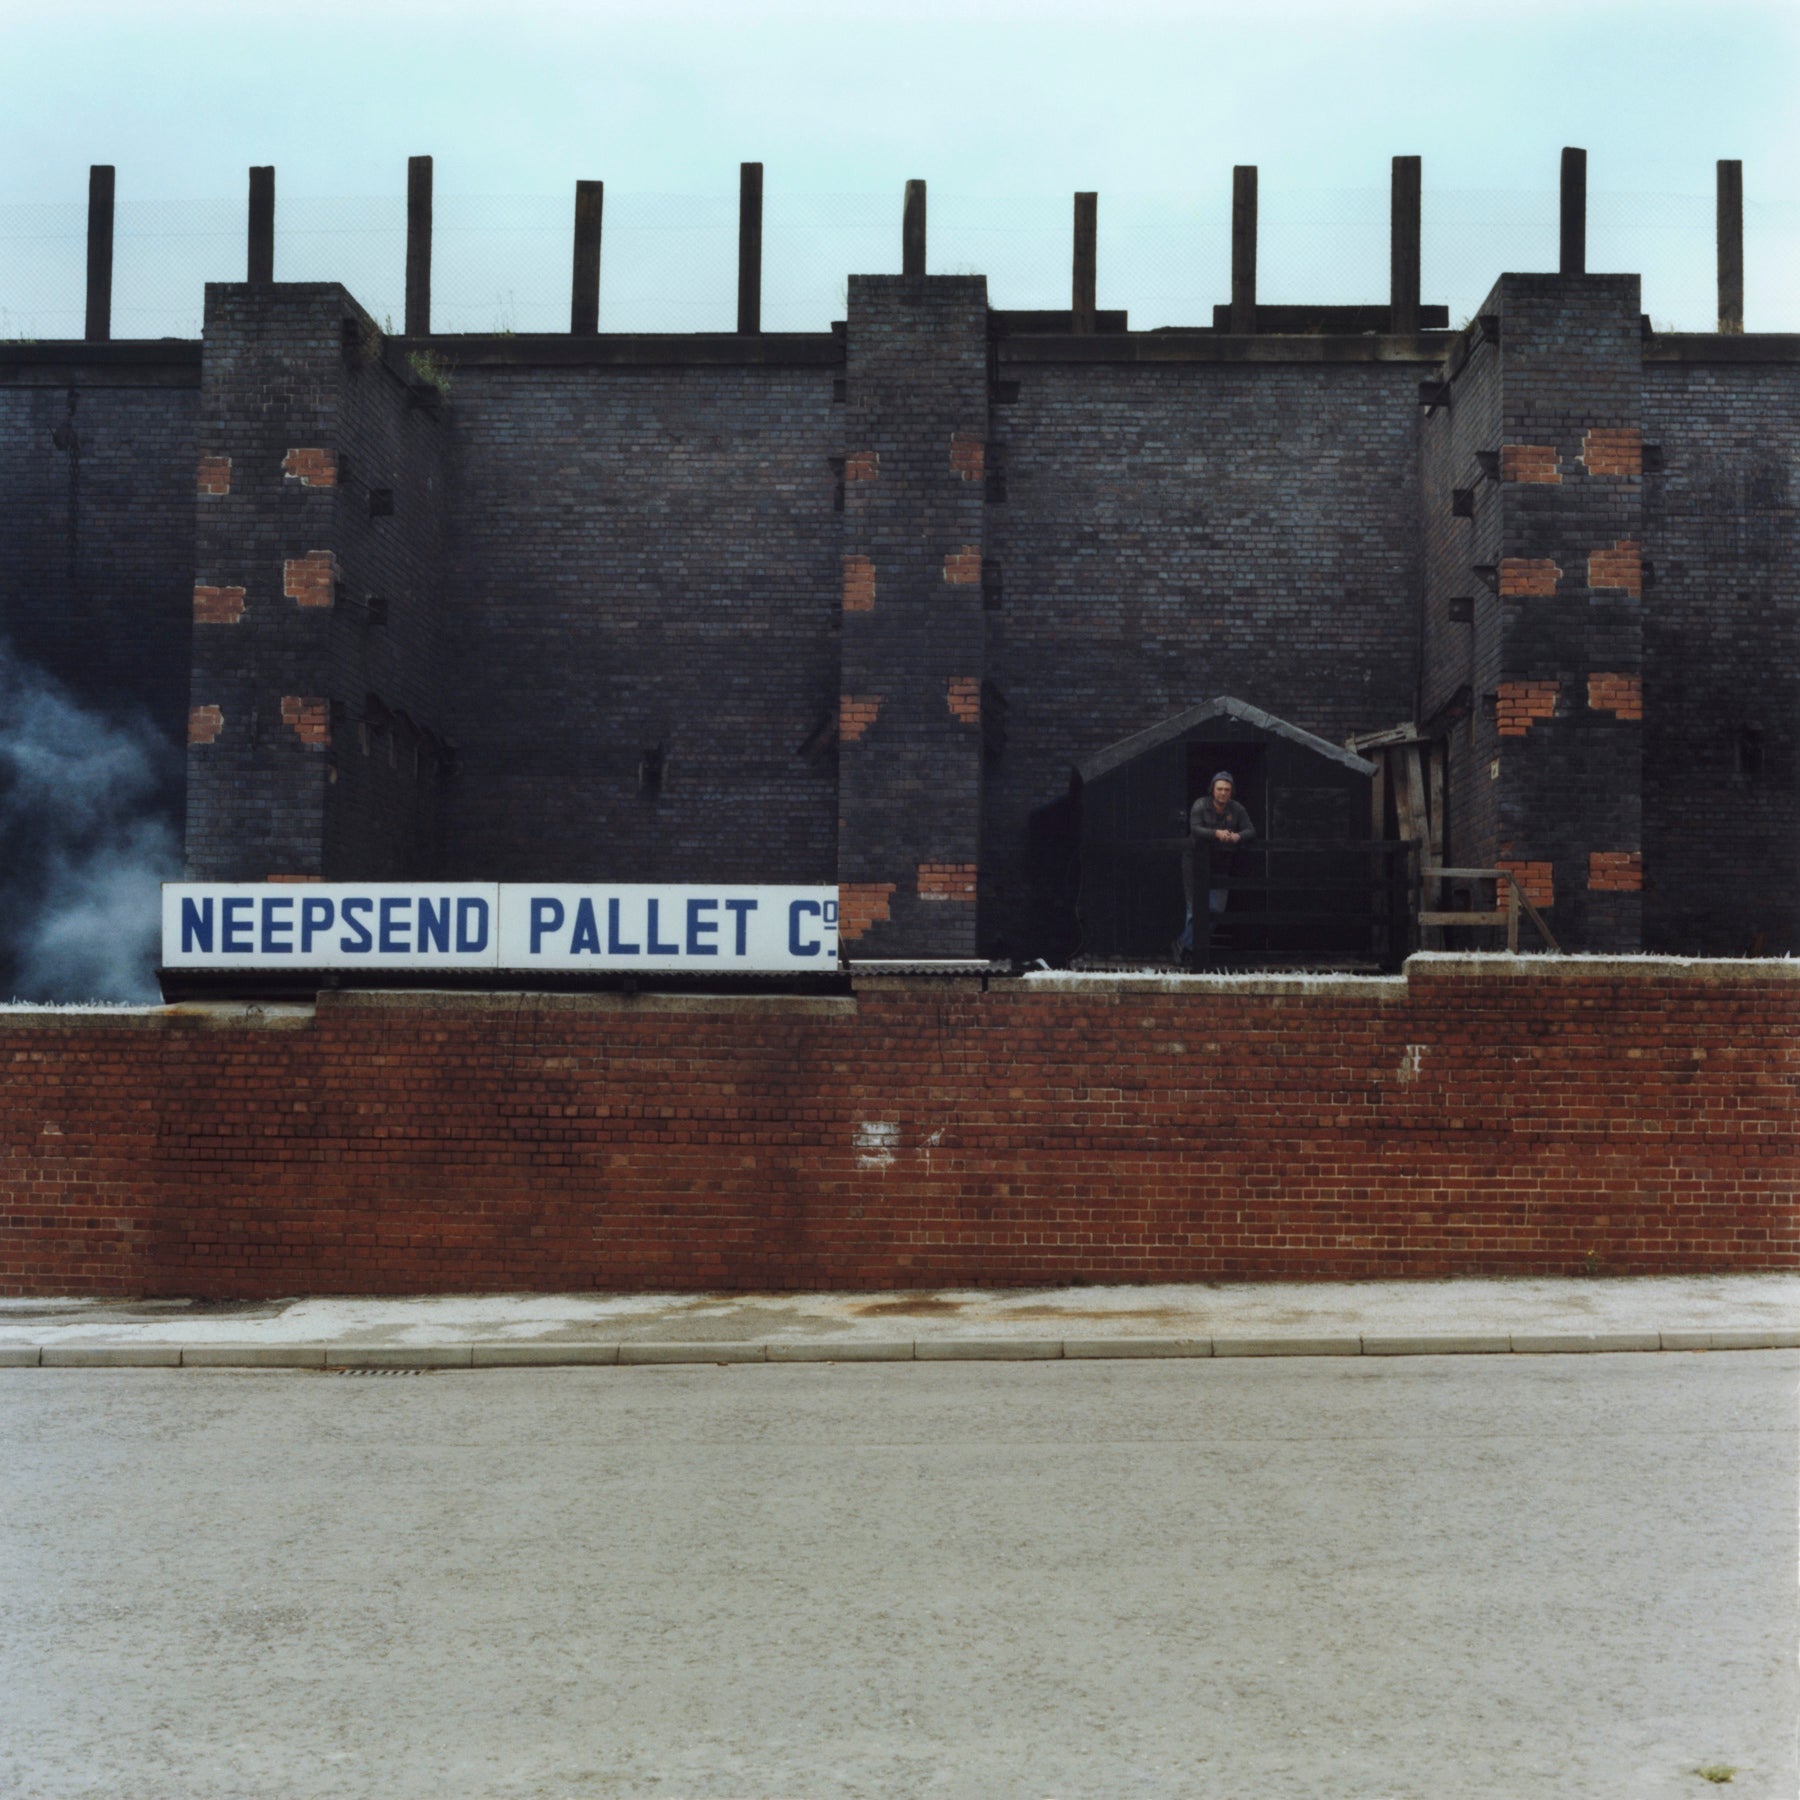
{"points": [[860, 905], [856, 713], [1614, 451], [947, 881], [962, 568], [1620, 567], [1524, 702], [311, 579], [1529, 578], [862, 465], [965, 698], [1534, 879], [1530, 462], [214, 475], [1621, 694], [311, 468], [310, 718], [204, 724], [859, 584], [968, 455], [1616, 871], [217, 605]]}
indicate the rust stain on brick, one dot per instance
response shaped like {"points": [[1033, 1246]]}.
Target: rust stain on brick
{"points": [[310, 579], [862, 465], [1620, 567], [946, 881], [965, 698], [856, 713], [311, 468], [1531, 463], [859, 584], [1619, 694], [310, 717], [860, 905], [968, 455], [217, 605], [1524, 702], [1616, 871], [204, 724], [1529, 578], [1534, 879], [1613, 451], [214, 475], [962, 568]]}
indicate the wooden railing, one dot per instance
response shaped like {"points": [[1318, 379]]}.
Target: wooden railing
{"points": [[1507, 915]]}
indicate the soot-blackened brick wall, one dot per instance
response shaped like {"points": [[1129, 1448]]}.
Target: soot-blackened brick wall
{"points": [[1722, 656], [1183, 530], [1521, 1117], [97, 522], [643, 621]]}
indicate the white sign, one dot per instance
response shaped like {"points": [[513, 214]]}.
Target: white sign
{"points": [[694, 929]]}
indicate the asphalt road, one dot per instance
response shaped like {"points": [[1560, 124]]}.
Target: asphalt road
{"points": [[1471, 1576]]}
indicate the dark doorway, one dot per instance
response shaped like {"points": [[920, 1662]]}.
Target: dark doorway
{"points": [[1207, 757]]}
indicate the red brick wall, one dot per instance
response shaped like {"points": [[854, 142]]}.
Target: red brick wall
{"points": [[1472, 1117]]}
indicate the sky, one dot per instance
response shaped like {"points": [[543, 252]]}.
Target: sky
{"points": [[1004, 108]]}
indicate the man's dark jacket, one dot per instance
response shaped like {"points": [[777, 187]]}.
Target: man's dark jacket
{"points": [[1203, 852]]}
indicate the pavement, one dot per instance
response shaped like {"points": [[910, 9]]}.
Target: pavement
{"points": [[1396, 1318], [1492, 1578]]}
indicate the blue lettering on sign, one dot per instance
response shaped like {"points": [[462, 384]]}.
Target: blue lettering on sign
{"points": [[434, 925], [546, 916], [196, 925], [657, 949], [394, 941], [699, 928], [471, 938], [273, 946], [741, 911], [831, 907], [361, 942], [802, 909], [587, 931], [316, 915], [235, 936], [615, 944]]}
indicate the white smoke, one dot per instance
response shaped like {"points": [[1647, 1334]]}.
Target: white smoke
{"points": [[85, 838]]}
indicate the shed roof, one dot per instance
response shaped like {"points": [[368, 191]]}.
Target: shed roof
{"points": [[1221, 706]]}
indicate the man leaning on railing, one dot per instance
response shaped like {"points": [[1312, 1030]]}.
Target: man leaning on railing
{"points": [[1216, 822]]}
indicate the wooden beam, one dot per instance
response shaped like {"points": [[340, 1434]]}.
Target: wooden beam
{"points": [[1572, 259], [1731, 247], [1403, 245], [1243, 249], [99, 253], [584, 285], [912, 233], [750, 248], [1082, 290], [1437, 769], [418, 246], [260, 259]]}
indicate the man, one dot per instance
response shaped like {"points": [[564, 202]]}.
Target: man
{"points": [[1216, 823]]}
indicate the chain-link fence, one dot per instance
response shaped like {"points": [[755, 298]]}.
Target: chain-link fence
{"points": [[669, 261]]}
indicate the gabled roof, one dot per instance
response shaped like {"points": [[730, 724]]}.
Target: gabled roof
{"points": [[1221, 706]]}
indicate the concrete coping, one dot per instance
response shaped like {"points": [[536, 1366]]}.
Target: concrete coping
{"points": [[824, 1350]]}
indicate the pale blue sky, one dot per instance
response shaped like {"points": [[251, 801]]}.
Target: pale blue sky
{"points": [[1004, 108]]}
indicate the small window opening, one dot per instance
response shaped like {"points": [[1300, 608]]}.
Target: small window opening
{"points": [[381, 503]]}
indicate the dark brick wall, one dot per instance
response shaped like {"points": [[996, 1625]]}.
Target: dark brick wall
{"points": [[97, 529], [1174, 532], [313, 732], [1722, 658], [1545, 1119], [909, 731], [646, 564]]}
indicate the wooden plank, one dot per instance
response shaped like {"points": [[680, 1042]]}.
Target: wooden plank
{"points": [[1378, 797], [912, 233], [1084, 277], [1410, 759], [1438, 757], [1464, 918], [99, 253], [1731, 247], [1403, 245], [1243, 248], [584, 284], [1572, 259], [260, 249], [418, 246], [750, 240]]}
